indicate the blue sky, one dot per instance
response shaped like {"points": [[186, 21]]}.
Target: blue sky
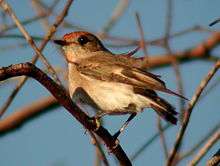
{"points": [[57, 139]]}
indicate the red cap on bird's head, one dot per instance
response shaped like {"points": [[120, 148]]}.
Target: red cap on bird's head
{"points": [[80, 43], [76, 35]]}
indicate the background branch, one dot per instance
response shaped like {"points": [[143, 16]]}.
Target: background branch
{"points": [[188, 112], [43, 44], [6, 7], [213, 139], [25, 114], [215, 160]]}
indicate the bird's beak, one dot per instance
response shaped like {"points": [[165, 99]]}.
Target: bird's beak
{"points": [[61, 42]]}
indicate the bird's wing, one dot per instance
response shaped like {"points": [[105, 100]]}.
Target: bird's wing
{"points": [[150, 80], [106, 70]]}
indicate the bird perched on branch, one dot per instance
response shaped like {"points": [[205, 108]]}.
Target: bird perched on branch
{"points": [[112, 84]]}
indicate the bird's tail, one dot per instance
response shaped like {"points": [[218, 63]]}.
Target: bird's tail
{"points": [[164, 109]]}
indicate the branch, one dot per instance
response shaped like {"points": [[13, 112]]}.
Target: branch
{"points": [[214, 138], [188, 111], [199, 143], [6, 7], [43, 44], [162, 137], [148, 143], [100, 154], [117, 13], [25, 22], [175, 63], [141, 32], [21, 116], [202, 50], [215, 160], [62, 96]]}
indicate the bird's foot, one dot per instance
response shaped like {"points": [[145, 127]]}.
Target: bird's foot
{"points": [[96, 121], [97, 118]]}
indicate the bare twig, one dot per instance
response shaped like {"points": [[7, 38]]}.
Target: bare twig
{"points": [[65, 23], [3, 23], [168, 28], [117, 13], [25, 22], [214, 138], [188, 112], [19, 117], [99, 149], [127, 42], [215, 160], [199, 143], [148, 143], [40, 11], [162, 137], [47, 37], [6, 7], [62, 96], [202, 50], [175, 63], [211, 88], [13, 46], [12, 95], [214, 22], [142, 41], [18, 36]]}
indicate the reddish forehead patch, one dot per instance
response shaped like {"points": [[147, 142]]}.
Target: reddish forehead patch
{"points": [[75, 35]]}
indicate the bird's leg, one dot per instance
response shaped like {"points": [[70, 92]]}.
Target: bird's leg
{"points": [[96, 118], [99, 115], [124, 126]]}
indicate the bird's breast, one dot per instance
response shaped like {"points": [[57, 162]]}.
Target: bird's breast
{"points": [[109, 96]]}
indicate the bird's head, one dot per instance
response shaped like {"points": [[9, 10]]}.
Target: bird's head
{"points": [[79, 45]]}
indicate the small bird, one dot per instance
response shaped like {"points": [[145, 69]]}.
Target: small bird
{"points": [[112, 84]]}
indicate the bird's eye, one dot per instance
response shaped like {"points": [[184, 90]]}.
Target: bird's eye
{"points": [[83, 40]]}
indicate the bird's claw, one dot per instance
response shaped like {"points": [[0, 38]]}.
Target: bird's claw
{"points": [[97, 122]]}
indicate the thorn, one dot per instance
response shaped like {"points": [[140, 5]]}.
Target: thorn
{"points": [[130, 53], [214, 22]]}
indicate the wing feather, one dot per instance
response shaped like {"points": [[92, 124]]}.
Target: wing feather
{"points": [[110, 68]]}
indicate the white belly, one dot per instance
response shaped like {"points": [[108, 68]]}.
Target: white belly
{"points": [[112, 96], [109, 96]]}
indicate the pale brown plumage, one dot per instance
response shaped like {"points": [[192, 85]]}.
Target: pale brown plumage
{"points": [[117, 84]]}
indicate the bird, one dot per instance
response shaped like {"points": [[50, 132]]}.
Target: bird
{"points": [[112, 84]]}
